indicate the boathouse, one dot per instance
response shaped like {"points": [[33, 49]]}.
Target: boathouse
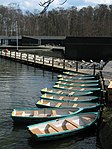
{"points": [[87, 48]]}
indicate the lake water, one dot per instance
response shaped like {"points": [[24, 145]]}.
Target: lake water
{"points": [[20, 86]]}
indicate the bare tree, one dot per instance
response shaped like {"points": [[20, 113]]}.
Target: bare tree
{"points": [[47, 3]]}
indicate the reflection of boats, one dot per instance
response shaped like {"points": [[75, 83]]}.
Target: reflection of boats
{"points": [[71, 88], [78, 81], [63, 127], [65, 92], [77, 84], [87, 106], [76, 77], [70, 98], [35, 115]]}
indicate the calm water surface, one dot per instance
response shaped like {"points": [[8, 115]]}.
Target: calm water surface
{"points": [[20, 86]]}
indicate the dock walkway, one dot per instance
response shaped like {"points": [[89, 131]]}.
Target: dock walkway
{"points": [[50, 63]]}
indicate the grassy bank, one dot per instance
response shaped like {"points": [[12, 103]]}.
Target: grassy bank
{"points": [[105, 132]]}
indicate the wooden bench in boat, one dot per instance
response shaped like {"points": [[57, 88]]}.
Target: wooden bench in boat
{"points": [[54, 112], [82, 89], [74, 105], [70, 88], [59, 92], [60, 98], [36, 131], [76, 98], [58, 104], [35, 113], [19, 113], [54, 127], [70, 94], [72, 123]]}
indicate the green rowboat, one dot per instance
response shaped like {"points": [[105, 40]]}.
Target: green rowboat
{"points": [[63, 127]]}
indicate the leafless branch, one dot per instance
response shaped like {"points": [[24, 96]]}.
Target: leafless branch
{"points": [[63, 2], [47, 3]]}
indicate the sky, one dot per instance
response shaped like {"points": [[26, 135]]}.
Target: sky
{"points": [[34, 4]]}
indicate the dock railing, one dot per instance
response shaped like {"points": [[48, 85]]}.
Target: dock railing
{"points": [[49, 62]]}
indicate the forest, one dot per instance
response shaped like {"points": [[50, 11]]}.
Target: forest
{"points": [[84, 22]]}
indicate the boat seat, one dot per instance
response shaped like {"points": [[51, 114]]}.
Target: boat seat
{"points": [[59, 92], [54, 127], [53, 112], [35, 113], [70, 88], [70, 94], [70, 112], [60, 98], [19, 113], [74, 105], [72, 123], [76, 98], [36, 131], [82, 89], [58, 104]]}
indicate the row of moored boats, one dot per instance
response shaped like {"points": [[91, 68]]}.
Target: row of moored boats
{"points": [[72, 105]]}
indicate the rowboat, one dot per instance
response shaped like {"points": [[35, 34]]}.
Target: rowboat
{"points": [[76, 77], [65, 92], [63, 127], [77, 84], [36, 115], [78, 81], [70, 88], [77, 74], [86, 106], [71, 98]]}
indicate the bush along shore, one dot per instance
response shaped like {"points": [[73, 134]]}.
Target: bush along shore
{"points": [[105, 129]]}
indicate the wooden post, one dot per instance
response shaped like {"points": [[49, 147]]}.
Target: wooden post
{"points": [[34, 59], [5, 53], [27, 57], [63, 63], [21, 56], [52, 63], [76, 66], [93, 69], [15, 54], [10, 53], [43, 62]]}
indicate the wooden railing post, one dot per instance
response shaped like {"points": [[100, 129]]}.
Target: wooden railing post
{"points": [[63, 63], [15, 54], [76, 66], [43, 62], [10, 53], [94, 69], [34, 59], [21, 56], [52, 63], [27, 57]]}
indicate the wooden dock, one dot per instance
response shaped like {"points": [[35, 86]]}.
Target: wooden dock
{"points": [[50, 63]]}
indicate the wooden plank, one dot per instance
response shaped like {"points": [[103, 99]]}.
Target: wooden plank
{"points": [[19, 113], [71, 93], [35, 113], [58, 104], [60, 98], [54, 127], [74, 105], [72, 123], [76, 98], [36, 131], [54, 112]]}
